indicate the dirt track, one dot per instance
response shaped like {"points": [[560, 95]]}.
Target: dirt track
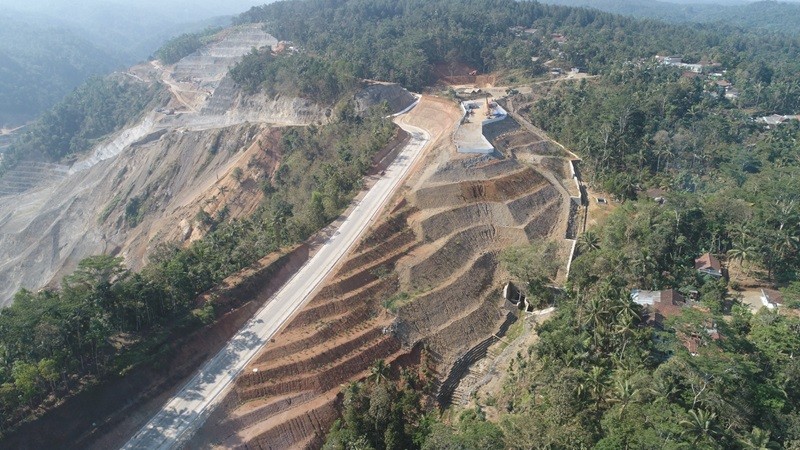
{"points": [[438, 246]]}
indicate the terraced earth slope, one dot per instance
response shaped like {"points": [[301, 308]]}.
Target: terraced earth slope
{"points": [[427, 272]]}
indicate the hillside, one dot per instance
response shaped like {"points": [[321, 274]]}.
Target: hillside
{"points": [[206, 167], [49, 200], [47, 49], [39, 64], [767, 16], [594, 245]]}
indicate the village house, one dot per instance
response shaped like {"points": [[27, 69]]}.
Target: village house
{"points": [[659, 305], [709, 265], [732, 94], [776, 119], [771, 298]]}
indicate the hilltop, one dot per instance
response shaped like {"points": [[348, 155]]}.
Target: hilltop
{"points": [[764, 16]]}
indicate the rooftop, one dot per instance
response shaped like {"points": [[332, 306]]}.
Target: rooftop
{"points": [[659, 305], [707, 261]]}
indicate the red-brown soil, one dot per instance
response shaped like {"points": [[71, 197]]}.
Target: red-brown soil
{"points": [[439, 247]]}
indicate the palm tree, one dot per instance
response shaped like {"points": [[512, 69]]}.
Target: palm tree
{"points": [[595, 384], [700, 425], [758, 439], [623, 327], [379, 371], [740, 232], [742, 253], [588, 241], [596, 313], [624, 393]]}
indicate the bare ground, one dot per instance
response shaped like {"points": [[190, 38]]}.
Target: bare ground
{"points": [[438, 247]]}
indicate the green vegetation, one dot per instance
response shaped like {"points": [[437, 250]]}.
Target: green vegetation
{"points": [[39, 65], [99, 107], [771, 16], [599, 376], [536, 266], [184, 45], [731, 181], [394, 302], [383, 413], [55, 342], [403, 41], [298, 75]]}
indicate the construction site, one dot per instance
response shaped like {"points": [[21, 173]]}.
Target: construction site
{"points": [[426, 274]]}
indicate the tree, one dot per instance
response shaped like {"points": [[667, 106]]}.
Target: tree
{"points": [[758, 439], [741, 253], [26, 380], [588, 241], [379, 371], [700, 426]]}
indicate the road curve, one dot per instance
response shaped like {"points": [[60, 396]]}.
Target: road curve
{"points": [[183, 414]]}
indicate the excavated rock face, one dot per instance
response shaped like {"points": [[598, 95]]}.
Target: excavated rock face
{"points": [[170, 163], [397, 97], [174, 160]]}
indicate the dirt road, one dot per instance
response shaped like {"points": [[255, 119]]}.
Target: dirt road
{"points": [[187, 410]]}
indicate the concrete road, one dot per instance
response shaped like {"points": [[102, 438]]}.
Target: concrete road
{"points": [[186, 411]]}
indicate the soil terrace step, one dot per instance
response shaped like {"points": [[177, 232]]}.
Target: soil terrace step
{"points": [[273, 432], [294, 426], [398, 243], [442, 256], [391, 226], [269, 407], [426, 314], [338, 305], [272, 371], [500, 188], [510, 213], [344, 321], [324, 378], [543, 224], [356, 280], [482, 319]]}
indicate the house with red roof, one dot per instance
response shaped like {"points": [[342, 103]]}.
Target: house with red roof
{"points": [[708, 264]]}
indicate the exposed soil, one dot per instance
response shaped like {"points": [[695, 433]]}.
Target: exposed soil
{"points": [[437, 250]]}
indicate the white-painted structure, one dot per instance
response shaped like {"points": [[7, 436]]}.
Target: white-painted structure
{"points": [[469, 136]]}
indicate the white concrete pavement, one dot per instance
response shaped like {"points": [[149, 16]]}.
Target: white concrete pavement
{"points": [[185, 412]]}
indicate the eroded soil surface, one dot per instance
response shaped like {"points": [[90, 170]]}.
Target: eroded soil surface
{"points": [[428, 271]]}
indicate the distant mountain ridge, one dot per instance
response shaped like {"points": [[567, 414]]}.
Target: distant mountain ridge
{"points": [[47, 49], [773, 16], [40, 64]]}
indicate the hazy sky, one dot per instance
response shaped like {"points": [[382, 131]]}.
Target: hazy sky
{"points": [[186, 9]]}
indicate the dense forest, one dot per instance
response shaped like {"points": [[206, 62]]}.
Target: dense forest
{"points": [[300, 75], [97, 108], [772, 16], [646, 127], [184, 45], [405, 41]]}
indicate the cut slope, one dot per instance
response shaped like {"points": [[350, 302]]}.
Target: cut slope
{"points": [[433, 261]]}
